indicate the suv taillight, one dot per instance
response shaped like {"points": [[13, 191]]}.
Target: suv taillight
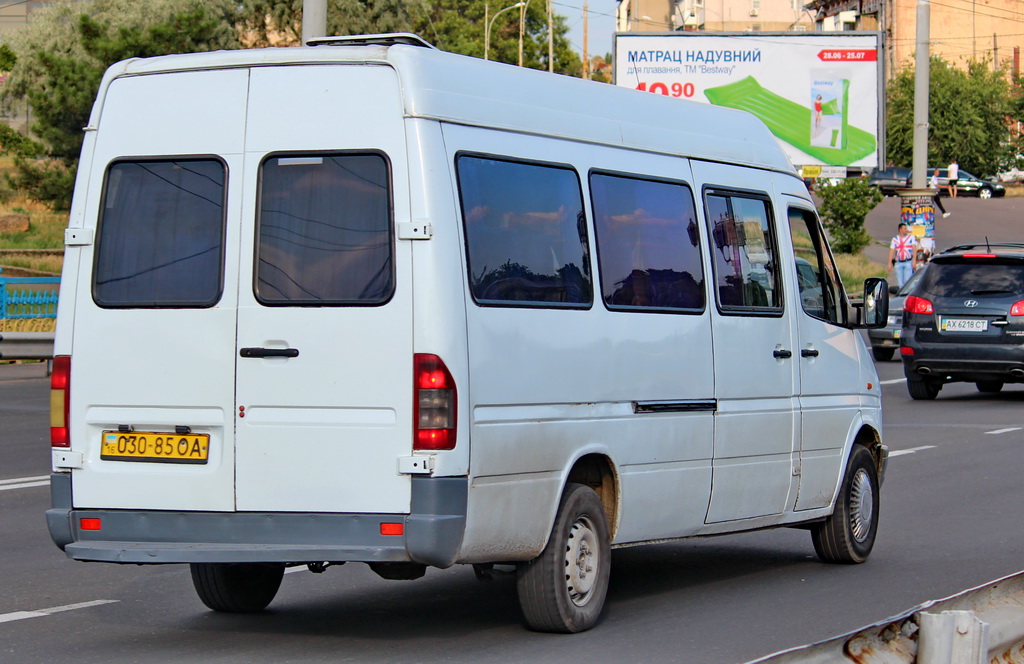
{"points": [[1017, 309], [60, 396], [918, 305], [434, 404]]}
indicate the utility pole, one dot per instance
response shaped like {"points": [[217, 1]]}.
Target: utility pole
{"points": [[314, 19], [586, 55], [551, 40], [922, 82]]}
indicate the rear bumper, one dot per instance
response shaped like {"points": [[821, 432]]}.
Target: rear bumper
{"points": [[432, 534], [952, 369]]}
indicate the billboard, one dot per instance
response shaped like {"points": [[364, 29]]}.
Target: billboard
{"points": [[818, 93]]}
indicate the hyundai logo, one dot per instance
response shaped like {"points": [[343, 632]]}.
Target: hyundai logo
{"points": [[970, 303]]}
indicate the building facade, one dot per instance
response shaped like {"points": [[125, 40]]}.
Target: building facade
{"points": [[714, 15]]}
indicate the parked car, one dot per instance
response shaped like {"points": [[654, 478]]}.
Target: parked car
{"points": [[964, 320], [886, 340], [889, 179], [969, 185]]}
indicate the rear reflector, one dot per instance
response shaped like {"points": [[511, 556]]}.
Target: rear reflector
{"points": [[392, 529], [60, 396], [434, 404], [90, 524], [906, 350]]}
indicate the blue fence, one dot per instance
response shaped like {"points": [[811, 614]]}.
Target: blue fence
{"points": [[22, 297]]}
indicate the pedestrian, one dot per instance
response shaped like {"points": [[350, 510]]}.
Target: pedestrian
{"points": [[952, 175], [933, 183], [903, 254]]}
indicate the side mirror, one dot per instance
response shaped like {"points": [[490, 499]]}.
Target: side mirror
{"points": [[894, 289], [875, 312]]}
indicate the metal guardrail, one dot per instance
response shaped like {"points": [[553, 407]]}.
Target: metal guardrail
{"points": [[31, 302], [26, 345], [980, 626]]}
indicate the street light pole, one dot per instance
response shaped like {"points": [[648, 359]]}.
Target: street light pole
{"points": [[522, 27], [487, 29]]}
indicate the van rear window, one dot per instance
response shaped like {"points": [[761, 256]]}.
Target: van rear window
{"points": [[526, 233], [324, 230], [161, 234]]}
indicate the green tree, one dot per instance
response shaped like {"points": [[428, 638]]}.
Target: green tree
{"points": [[59, 60], [458, 26], [844, 207], [967, 113], [279, 22]]}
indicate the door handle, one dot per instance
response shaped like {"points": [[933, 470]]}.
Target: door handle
{"points": [[782, 354], [269, 352], [808, 352]]}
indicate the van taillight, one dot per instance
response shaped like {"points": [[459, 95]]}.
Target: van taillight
{"points": [[434, 403], [918, 305], [60, 396]]}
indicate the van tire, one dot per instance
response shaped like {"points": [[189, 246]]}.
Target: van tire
{"points": [[848, 536], [564, 588], [237, 587]]}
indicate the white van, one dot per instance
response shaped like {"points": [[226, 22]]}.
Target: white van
{"points": [[369, 301]]}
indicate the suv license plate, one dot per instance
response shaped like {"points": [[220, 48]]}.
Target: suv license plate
{"points": [[964, 325], [159, 447]]}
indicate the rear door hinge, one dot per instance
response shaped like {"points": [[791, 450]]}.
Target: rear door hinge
{"points": [[420, 229], [416, 465], [77, 237]]}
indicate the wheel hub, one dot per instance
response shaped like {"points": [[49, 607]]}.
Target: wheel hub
{"points": [[862, 505], [581, 561]]}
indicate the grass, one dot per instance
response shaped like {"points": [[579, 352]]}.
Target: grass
{"points": [[854, 269]]}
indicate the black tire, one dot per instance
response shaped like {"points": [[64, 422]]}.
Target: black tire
{"points": [[564, 588], [989, 386], [848, 536], [883, 354], [237, 587], [923, 390]]}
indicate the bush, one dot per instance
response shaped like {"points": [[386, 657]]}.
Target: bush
{"points": [[844, 207]]}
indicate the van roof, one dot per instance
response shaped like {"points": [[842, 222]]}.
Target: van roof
{"points": [[466, 90]]}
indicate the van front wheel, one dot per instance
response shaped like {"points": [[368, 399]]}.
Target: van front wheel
{"points": [[237, 587], [564, 588], [849, 534]]}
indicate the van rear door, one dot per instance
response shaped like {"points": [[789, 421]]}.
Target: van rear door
{"points": [[324, 349], [153, 341]]}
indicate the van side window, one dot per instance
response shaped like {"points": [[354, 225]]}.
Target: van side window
{"points": [[161, 234], [821, 291], [526, 233], [647, 244], [324, 230], [744, 251]]}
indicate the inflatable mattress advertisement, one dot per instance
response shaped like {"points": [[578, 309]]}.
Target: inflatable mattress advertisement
{"points": [[819, 94]]}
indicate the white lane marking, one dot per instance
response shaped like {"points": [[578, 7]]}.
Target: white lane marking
{"points": [[890, 382], [295, 569], [999, 431], [19, 480], [911, 450], [39, 613]]}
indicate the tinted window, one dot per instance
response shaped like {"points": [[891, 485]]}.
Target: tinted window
{"points": [[964, 279], [526, 233], [647, 244], [817, 277], [161, 234], [324, 230], [746, 269]]}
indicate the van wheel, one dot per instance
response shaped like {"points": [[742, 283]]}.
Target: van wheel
{"points": [[989, 385], [883, 354], [849, 534], [564, 588], [237, 587], [923, 390]]}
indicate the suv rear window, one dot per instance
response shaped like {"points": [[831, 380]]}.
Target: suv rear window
{"points": [[974, 278], [161, 234]]}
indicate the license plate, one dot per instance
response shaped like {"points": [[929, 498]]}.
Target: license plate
{"points": [[964, 325], [896, 333], [152, 446]]}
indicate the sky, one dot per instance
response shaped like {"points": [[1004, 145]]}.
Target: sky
{"points": [[601, 23]]}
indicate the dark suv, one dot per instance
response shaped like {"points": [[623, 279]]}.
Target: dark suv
{"points": [[964, 321]]}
